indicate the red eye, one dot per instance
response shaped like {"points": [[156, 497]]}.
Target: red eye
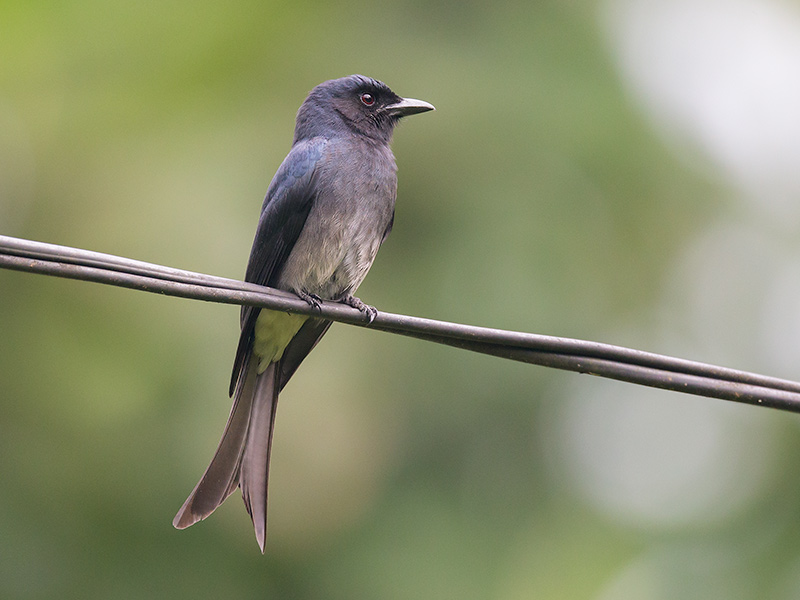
{"points": [[367, 99]]}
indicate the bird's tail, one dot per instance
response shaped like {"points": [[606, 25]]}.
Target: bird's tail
{"points": [[242, 457]]}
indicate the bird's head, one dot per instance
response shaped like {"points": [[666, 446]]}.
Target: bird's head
{"points": [[354, 104]]}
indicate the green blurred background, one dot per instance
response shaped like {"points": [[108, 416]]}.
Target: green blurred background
{"points": [[623, 171]]}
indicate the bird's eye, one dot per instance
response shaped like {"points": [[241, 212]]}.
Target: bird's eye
{"points": [[367, 99]]}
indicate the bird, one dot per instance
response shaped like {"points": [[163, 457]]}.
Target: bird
{"points": [[327, 210]]}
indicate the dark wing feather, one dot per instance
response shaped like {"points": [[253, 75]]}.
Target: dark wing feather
{"points": [[283, 215], [302, 343]]}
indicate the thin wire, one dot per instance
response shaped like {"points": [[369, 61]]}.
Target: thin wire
{"points": [[604, 360]]}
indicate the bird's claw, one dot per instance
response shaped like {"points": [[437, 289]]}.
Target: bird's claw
{"points": [[369, 311], [311, 299]]}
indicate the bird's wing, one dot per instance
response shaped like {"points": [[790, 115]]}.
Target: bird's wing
{"points": [[283, 215], [302, 343]]}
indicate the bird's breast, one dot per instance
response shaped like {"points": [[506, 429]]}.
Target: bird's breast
{"points": [[356, 191]]}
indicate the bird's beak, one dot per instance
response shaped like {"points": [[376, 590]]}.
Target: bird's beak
{"points": [[408, 106]]}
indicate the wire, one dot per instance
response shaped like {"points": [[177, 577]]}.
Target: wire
{"points": [[604, 360]]}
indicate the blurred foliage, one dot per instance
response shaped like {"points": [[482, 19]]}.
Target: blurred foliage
{"points": [[537, 197]]}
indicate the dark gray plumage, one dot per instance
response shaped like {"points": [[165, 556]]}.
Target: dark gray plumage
{"points": [[326, 213]]}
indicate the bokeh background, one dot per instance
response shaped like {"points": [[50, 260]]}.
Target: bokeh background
{"points": [[625, 171]]}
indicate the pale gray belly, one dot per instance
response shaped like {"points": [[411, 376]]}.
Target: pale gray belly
{"points": [[335, 250]]}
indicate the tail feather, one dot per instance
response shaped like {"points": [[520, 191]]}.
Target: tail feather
{"points": [[222, 475], [254, 468], [242, 457]]}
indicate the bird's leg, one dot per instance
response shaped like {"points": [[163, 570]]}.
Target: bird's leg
{"points": [[312, 299], [370, 311]]}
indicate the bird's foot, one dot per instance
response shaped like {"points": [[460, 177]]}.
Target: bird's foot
{"points": [[312, 299], [369, 311]]}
